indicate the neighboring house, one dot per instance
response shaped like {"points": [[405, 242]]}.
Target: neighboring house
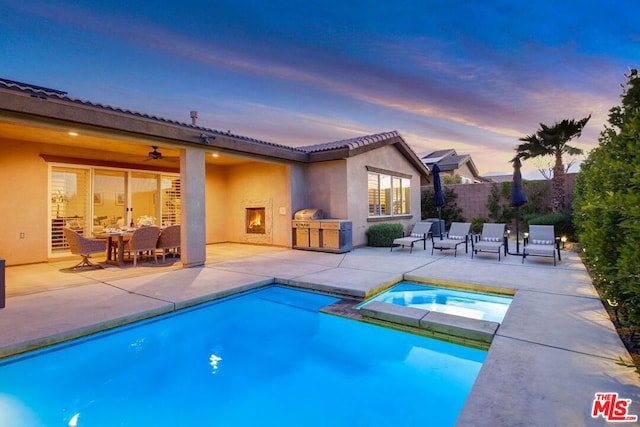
{"points": [[70, 162], [451, 164], [498, 178]]}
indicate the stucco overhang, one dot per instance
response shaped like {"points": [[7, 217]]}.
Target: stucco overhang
{"points": [[34, 106]]}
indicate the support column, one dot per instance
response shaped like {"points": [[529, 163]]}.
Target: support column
{"points": [[193, 213]]}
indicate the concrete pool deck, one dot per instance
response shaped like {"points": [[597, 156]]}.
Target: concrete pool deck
{"points": [[554, 350]]}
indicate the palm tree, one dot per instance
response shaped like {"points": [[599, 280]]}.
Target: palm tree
{"points": [[553, 141]]}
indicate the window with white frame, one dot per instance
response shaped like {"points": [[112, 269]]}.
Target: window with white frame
{"points": [[389, 193]]}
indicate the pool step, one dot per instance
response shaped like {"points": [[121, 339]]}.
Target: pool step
{"points": [[437, 323]]}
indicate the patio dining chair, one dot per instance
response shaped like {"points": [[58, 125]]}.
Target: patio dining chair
{"points": [[421, 230], [83, 246], [491, 239], [457, 235], [143, 239], [541, 242], [169, 241]]}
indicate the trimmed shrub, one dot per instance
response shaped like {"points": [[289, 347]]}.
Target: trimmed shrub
{"points": [[607, 208], [477, 223], [382, 235], [450, 212], [562, 223]]}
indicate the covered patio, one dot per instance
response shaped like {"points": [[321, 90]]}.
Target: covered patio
{"points": [[554, 350]]}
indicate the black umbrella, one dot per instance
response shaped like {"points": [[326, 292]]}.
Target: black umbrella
{"points": [[438, 196], [518, 198]]}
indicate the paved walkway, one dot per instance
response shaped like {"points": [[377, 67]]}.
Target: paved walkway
{"points": [[555, 349]]}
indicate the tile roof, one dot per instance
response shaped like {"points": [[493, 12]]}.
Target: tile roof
{"points": [[352, 146], [351, 143], [46, 93]]}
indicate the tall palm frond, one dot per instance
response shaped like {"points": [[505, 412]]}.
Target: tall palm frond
{"points": [[553, 141]]}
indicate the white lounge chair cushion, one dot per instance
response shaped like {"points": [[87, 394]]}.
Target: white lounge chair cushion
{"points": [[541, 242]]}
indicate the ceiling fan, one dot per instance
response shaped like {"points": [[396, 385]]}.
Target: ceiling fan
{"points": [[157, 155]]}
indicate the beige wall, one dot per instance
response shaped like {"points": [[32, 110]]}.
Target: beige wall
{"points": [[388, 158], [23, 205], [340, 188], [217, 194], [327, 187], [231, 189]]}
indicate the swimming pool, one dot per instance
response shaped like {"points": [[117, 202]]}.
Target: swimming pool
{"points": [[473, 305], [265, 357]]}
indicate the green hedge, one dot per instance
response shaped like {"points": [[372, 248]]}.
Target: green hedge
{"points": [[382, 235], [562, 223], [607, 208]]}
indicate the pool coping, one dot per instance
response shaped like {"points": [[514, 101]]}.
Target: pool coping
{"points": [[457, 327]]}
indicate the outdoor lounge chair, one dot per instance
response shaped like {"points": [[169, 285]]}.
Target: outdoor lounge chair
{"points": [[420, 232], [542, 242], [80, 245], [458, 234], [169, 241], [143, 239], [491, 239]]}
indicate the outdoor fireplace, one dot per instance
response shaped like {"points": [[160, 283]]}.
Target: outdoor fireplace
{"points": [[255, 221]]}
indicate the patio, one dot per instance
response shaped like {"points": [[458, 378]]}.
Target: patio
{"points": [[555, 349]]}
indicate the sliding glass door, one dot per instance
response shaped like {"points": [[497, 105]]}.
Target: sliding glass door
{"points": [[91, 199], [69, 204], [109, 198], [144, 198]]}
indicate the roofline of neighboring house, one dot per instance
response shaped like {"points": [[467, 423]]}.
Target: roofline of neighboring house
{"points": [[49, 106], [438, 156]]}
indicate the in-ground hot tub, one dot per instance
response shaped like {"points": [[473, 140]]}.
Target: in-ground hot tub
{"points": [[465, 314]]}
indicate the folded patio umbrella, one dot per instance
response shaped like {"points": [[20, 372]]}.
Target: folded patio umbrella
{"points": [[438, 196], [518, 198]]}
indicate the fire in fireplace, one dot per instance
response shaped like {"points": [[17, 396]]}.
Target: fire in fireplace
{"points": [[255, 221]]}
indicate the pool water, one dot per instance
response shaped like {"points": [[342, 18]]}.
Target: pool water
{"points": [[474, 305], [265, 357]]}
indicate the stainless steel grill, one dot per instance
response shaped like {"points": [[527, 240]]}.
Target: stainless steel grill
{"points": [[306, 228], [312, 232], [308, 214]]}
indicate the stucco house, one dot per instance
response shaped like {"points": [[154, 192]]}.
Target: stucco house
{"points": [[452, 164], [70, 162]]}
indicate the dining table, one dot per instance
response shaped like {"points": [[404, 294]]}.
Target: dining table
{"points": [[111, 236]]}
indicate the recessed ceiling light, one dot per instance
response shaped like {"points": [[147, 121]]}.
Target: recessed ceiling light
{"points": [[73, 133], [216, 155]]}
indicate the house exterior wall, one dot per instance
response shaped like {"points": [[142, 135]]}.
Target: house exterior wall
{"points": [[231, 189], [388, 158], [327, 187], [216, 198], [299, 187], [24, 175], [465, 173]]}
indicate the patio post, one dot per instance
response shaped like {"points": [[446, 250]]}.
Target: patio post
{"points": [[193, 251], [2, 283]]}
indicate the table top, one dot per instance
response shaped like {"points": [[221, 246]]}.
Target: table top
{"points": [[105, 234]]}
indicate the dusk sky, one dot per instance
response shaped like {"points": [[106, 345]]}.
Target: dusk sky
{"points": [[471, 75]]}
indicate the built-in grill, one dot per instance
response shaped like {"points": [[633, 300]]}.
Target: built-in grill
{"points": [[312, 232], [308, 214]]}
